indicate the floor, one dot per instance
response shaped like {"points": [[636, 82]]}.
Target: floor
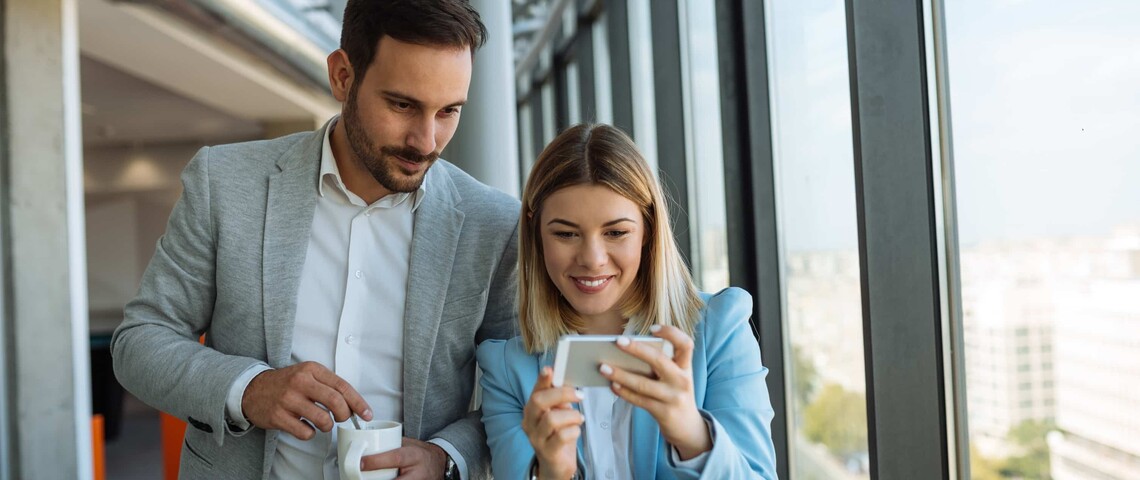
{"points": [[137, 452]]}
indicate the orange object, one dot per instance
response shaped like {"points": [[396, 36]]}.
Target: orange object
{"points": [[98, 451], [173, 431]]}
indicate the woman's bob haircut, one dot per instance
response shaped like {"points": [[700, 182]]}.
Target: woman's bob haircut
{"points": [[663, 292]]}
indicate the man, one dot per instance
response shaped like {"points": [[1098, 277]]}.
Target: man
{"points": [[335, 272]]}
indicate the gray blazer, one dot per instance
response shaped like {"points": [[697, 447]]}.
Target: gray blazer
{"points": [[229, 266]]}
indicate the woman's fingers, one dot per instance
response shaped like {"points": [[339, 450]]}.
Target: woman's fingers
{"points": [[555, 421], [640, 384], [670, 370], [682, 344], [655, 407], [544, 398]]}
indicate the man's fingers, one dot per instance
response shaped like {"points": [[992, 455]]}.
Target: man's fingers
{"points": [[296, 427], [397, 458], [312, 412], [351, 397], [332, 400]]}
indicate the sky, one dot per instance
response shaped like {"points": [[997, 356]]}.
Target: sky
{"points": [[1045, 105]]}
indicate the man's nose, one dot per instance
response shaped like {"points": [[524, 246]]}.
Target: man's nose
{"points": [[421, 137]]}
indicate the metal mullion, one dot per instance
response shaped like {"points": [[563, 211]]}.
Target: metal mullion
{"points": [[671, 141], [750, 193], [617, 22], [561, 95], [7, 449], [898, 254], [537, 117]]}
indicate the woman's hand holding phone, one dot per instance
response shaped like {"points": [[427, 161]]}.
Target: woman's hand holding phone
{"points": [[553, 426], [669, 396]]}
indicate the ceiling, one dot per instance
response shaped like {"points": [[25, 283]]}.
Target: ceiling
{"points": [[120, 109], [148, 77]]}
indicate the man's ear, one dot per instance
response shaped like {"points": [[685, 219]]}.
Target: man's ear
{"points": [[341, 75]]}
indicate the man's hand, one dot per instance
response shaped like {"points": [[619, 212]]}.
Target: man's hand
{"points": [[279, 399], [415, 459]]}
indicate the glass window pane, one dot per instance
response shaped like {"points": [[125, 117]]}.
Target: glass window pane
{"points": [[641, 72], [812, 138], [705, 164], [603, 78], [1045, 104]]}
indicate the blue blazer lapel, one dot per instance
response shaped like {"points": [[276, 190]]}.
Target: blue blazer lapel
{"points": [[291, 201], [645, 437], [435, 236]]}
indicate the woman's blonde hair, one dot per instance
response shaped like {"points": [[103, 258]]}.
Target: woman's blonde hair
{"points": [[663, 292]]}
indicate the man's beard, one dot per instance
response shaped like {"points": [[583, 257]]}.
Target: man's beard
{"points": [[381, 161]]}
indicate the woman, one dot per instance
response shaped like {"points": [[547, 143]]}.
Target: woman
{"points": [[596, 256]]}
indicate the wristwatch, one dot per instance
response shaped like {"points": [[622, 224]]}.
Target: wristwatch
{"points": [[452, 470]]}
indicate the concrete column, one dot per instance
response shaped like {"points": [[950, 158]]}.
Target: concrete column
{"points": [[45, 300], [486, 143]]}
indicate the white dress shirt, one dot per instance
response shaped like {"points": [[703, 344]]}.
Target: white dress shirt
{"points": [[350, 313]]}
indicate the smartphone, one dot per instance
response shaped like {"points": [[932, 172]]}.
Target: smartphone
{"points": [[578, 357]]}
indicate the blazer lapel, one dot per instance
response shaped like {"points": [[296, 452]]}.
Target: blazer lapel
{"points": [[435, 236], [645, 437], [291, 201]]}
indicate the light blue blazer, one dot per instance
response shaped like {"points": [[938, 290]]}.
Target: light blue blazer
{"points": [[728, 381]]}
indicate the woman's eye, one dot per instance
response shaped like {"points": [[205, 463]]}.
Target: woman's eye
{"points": [[617, 233], [564, 234]]}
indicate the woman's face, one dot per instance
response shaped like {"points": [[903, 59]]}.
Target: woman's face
{"points": [[592, 239]]}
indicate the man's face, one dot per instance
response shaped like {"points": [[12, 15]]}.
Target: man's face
{"points": [[402, 112]]}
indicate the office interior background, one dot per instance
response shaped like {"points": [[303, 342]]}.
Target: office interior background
{"points": [[934, 203]]}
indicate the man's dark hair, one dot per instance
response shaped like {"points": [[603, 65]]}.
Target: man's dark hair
{"points": [[447, 23]]}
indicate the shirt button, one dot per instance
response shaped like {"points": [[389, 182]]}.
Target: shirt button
{"points": [[605, 424], [359, 274], [368, 213], [349, 339]]}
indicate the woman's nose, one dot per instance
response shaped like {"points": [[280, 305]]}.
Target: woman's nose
{"points": [[592, 254]]}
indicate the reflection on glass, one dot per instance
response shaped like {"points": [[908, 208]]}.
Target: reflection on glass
{"points": [[1045, 155], [815, 174], [710, 229]]}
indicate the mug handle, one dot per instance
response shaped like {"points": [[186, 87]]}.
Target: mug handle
{"points": [[353, 456]]}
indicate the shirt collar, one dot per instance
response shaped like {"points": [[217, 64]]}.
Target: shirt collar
{"points": [[330, 174]]}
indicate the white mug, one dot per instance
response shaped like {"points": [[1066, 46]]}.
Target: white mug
{"points": [[373, 437]]}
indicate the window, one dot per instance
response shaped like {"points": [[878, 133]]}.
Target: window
{"points": [[1046, 171], [705, 166], [812, 140]]}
